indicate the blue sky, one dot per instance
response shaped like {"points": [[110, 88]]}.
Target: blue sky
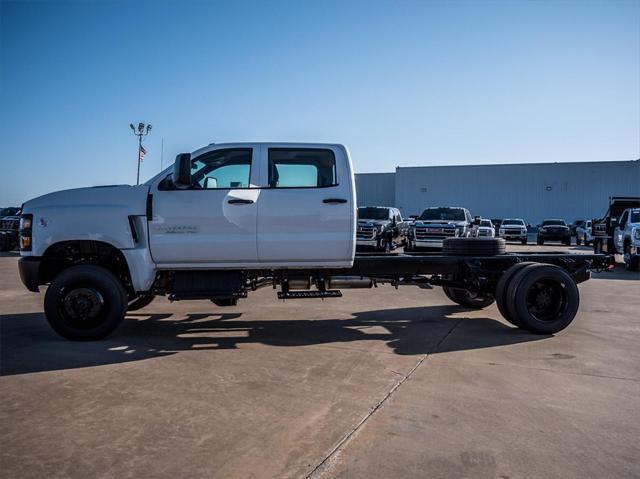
{"points": [[400, 83]]}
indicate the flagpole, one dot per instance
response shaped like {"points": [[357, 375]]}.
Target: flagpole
{"points": [[139, 150]]}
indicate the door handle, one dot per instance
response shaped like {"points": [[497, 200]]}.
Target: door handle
{"points": [[238, 201], [334, 201]]}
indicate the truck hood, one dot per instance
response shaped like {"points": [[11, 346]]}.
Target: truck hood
{"points": [[131, 199], [372, 222], [439, 223]]}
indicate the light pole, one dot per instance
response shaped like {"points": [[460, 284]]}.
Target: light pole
{"points": [[142, 131]]}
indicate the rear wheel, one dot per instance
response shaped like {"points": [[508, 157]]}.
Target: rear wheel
{"points": [[85, 303], [468, 299], [543, 298], [501, 291], [578, 240], [540, 241]]}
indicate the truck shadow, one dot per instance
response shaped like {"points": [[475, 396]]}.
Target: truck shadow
{"points": [[28, 345]]}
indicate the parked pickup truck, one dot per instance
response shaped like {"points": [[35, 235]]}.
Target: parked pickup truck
{"points": [[381, 228], [584, 233], [626, 237], [513, 229], [554, 230], [229, 219], [435, 224]]}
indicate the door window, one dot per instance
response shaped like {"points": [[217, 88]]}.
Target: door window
{"points": [[222, 169], [301, 168]]}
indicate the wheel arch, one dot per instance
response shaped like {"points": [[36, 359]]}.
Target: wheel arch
{"points": [[64, 254]]}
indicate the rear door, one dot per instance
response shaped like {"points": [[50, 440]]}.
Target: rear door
{"points": [[212, 223], [306, 212]]}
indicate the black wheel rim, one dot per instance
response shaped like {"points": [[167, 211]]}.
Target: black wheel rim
{"points": [[82, 307], [547, 300]]}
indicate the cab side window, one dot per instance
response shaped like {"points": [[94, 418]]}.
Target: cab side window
{"points": [[222, 169], [301, 168]]}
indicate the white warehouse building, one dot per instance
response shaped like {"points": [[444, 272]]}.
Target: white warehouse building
{"points": [[532, 191]]}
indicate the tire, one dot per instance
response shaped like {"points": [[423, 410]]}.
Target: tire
{"points": [[543, 298], [223, 302], [473, 246], [631, 261], [578, 240], [524, 241], [5, 243], [567, 242], [501, 291], [467, 299], [85, 303], [540, 241], [140, 302], [586, 241]]}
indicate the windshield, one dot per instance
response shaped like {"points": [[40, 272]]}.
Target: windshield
{"points": [[8, 211], [513, 222], [445, 214], [369, 213], [553, 223], [486, 223], [635, 217]]}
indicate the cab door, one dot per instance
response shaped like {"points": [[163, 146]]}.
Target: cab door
{"points": [[306, 212], [618, 232], [212, 223]]}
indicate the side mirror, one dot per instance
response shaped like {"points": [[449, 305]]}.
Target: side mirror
{"points": [[182, 171], [614, 222], [528, 225], [476, 220]]}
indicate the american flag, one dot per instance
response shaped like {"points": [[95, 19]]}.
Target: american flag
{"points": [[141, 153]]}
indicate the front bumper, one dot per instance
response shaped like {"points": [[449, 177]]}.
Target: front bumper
{"points": [[29, 269], [428, 243], [361, 242], [513, 236]]}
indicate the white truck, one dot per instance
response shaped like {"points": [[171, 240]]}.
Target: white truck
{"points": [[228, 219], [626, 237]]}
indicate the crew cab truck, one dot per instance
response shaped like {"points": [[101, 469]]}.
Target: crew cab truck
{"points": [[229, 219], [626, 238], [554, 230], [381, 228]]}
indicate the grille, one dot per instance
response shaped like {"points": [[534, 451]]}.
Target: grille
{"points": [[365, 233], [434, 233], [511, 232], [9, 224]]}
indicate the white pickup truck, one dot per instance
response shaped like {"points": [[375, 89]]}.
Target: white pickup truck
{"points": [[228, 219]]}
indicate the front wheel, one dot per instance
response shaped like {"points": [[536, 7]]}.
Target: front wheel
{"points": [[523, 241], [578, 241], [631, 259], [540, 241], [85, 303]]}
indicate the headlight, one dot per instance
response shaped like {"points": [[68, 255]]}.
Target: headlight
{"points": [[636, 233], [26, 222], [523, 230]]}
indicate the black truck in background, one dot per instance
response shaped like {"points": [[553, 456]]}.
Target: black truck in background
{"points": [[9, 226], [603, 228]]}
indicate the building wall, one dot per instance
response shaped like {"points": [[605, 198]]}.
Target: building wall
{"points": [[529, 191], [376, 189]]}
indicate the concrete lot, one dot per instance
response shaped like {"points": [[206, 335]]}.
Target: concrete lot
{"points": [[390, 384]]}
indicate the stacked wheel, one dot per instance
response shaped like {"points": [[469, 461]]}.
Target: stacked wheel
{"points": [[540, 298], [474, 246]]}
